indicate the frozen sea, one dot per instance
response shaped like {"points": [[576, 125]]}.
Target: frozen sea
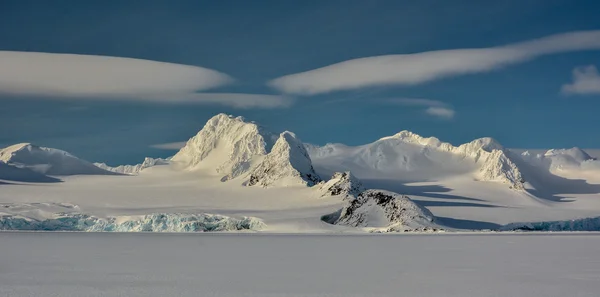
{"points": [[149, 264]]}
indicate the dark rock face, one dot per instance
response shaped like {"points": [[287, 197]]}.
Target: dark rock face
{"points": [[387, 211]]}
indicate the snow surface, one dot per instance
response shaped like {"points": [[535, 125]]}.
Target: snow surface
{"points": [[36, 264]]}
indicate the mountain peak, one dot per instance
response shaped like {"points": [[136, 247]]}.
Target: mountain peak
{"points": [[287, 163], [226, 144], [343, 183]]}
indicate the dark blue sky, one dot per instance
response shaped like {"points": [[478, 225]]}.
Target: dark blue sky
{"points": [[520, 104]]}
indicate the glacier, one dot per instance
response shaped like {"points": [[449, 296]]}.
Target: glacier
{"points": [[584, 224], [157, 222]]}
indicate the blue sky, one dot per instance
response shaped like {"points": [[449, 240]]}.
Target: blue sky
{"points": [[519, 90]]}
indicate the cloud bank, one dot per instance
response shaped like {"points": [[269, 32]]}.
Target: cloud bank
{"points": [[586, 81], [434, 108], [79, 77], [411, 69]]}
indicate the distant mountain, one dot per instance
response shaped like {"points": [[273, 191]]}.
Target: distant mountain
{"points": [[410, 157], [134, 169], [47, 161], [573, 158]]}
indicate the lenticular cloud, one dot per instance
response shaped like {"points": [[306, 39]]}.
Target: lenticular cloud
{"points": [[85, 75]]}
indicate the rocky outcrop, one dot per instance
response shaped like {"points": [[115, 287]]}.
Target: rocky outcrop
{"points": [[384, 211], [342, 183]]}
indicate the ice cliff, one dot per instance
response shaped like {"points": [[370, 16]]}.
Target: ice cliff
{"points": [[158, 222]]}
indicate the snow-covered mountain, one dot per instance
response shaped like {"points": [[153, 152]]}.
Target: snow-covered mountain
{"points": [[573, 158], [278, 178], [232, 147], [226, 145], [410, 157], [47, 161], [134, 169], [287, 163], [386, 211]]}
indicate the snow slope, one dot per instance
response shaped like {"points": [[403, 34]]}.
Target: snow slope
{"points": [[47, 161], [18, 174]]}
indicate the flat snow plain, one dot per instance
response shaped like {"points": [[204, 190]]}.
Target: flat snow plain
{"points": [[150, 264]]}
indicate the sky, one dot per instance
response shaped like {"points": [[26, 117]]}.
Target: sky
{"points": [[116, 81]]}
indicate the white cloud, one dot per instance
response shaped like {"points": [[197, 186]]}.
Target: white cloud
{"points": [[586, 80], [80, 77], [410, 69], [442, 112], [434, 107], [169, 146]]}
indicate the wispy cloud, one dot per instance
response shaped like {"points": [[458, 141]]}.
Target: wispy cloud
{"points": [[434, 107], [442, 112], [410, 69], [586, 80], [169, 146], [79, 77]]}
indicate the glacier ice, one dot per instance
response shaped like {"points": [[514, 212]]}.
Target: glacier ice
{"points": [[157, 222], [584, 224]]}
